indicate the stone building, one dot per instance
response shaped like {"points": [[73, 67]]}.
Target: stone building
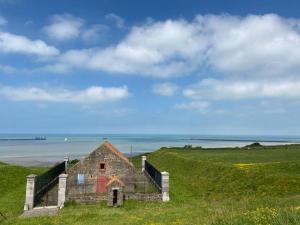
{"points": [[107, 174], [104, 174]]}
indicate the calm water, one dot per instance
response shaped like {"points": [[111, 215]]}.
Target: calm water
{"points": [[45, 152]]}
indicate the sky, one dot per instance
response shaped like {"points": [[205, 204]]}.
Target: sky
{"points": [[160, 67]]}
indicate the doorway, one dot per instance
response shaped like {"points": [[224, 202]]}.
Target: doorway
{"points": [[115, 197]]}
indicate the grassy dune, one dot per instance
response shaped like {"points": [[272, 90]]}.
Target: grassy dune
{"points": [[221, 186]]}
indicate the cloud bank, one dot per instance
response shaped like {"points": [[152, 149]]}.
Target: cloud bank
{"points": [[11, 43], [242, 46], [255, 56], [243, 89], [91, 95]]}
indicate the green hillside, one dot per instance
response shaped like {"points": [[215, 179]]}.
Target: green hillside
{"points": [[12, 188], [253, 185]]}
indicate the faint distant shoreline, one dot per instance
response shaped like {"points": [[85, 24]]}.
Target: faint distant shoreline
{"points": [[42, 138], [245, 140], [45, 161]]}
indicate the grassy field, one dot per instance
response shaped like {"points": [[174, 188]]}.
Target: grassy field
{"points": [[12, 188], [221, 186]]}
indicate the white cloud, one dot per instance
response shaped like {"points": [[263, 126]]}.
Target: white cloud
{"points": [[243, 89], [162, 49], [11, 43], [199, 106], [94, 94], [165, 89], [253, 45], [262, 45], [119, 21], [64, 27], [94, 32], [2, 21]]}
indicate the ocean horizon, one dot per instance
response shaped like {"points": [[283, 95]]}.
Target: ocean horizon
{"points": [[27, 149]]}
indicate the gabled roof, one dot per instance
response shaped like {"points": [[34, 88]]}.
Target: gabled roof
{"points": [[116, 151], [115, 179], [110, 147]]}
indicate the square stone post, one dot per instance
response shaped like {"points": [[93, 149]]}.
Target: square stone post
{"points": [[165, 186], [144, 158], [62, 186], [30, 187], [66, 159]]}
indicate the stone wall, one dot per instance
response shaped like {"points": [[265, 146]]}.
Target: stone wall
{"points": [[92, 199], [144, 196], [90, 167], [87, 199]]}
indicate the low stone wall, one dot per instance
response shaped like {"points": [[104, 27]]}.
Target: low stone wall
{"points": [[144, 196], [92, 199], [87, 199]]}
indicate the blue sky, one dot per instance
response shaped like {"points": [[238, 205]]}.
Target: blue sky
{"points": [[201, 67]]}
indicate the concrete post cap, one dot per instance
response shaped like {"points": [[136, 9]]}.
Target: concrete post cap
{"points": [[165, 173], [31, 176], [144, 157], [63, 175], [66, 158]]}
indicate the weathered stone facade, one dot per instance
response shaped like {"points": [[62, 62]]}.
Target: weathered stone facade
{"points": [[105, 174]]}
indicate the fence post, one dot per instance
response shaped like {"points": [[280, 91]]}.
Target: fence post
{"points": [[165, 186], [66, 159], [62, 185], [144, 158], [30, 186]]}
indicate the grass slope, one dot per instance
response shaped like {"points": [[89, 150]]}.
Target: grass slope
{"points": [[12, 188], [220, 186]]}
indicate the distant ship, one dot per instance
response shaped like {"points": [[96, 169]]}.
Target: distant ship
{"points": [[40, 138]]}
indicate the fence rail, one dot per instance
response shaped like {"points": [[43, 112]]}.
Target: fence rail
{"points": [[44, 180], [153, 173]]}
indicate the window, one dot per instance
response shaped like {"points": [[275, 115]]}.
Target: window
{"points": [[102, 166], [80, 178]]}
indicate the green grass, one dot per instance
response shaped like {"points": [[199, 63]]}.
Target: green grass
{"points": [[12, 188], [260, 185]]}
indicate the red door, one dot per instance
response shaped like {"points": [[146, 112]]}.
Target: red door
{"points": [[101, 184]]}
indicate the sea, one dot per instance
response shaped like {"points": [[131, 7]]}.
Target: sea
{"points": [[47, 149]]}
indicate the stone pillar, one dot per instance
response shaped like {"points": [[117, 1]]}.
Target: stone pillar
{"points": [[66, 159], [165, 186], [29, 199], [144, 158], [62, 185]]}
